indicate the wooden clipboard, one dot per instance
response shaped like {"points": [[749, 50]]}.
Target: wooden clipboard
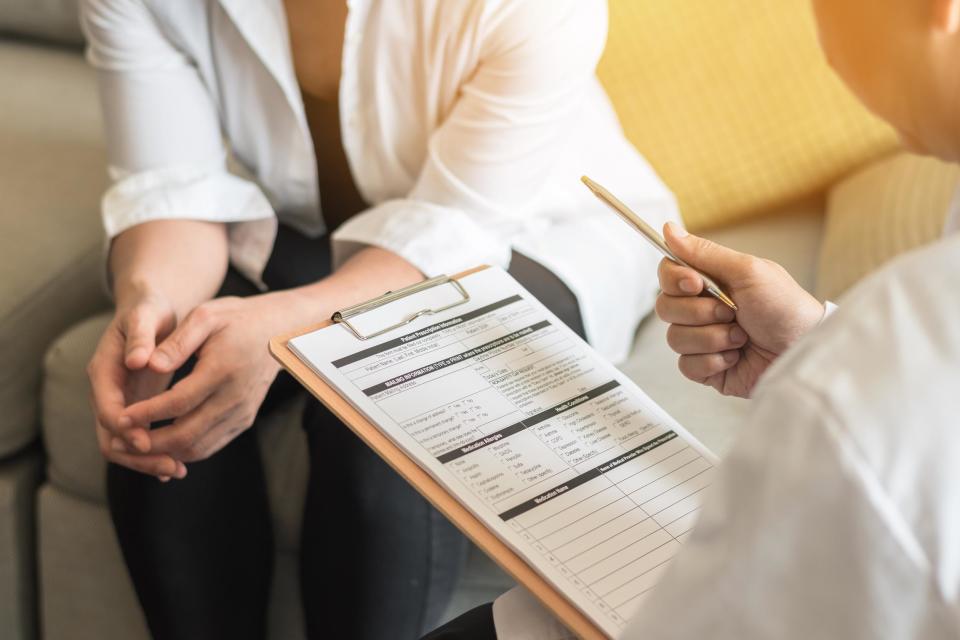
{"points": [[430, 489]]}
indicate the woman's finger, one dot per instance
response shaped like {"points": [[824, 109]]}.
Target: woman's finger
{"points": [[182, 439], [108, 377], [222, 435], [701, 368], [177, 401], [714, 338], [149, 464], [215, 440], [140, 326], [185, 340], [696, 311], [677, 280]]}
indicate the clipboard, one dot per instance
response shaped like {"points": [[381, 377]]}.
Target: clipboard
{"points": [[423, 482]]}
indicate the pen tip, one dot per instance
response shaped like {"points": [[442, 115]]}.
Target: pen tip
{"points": [[590, 183], [728, 301]]}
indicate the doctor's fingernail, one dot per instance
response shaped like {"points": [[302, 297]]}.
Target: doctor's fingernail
{"points": [[731, 356], [124, 422], [688, 285], [677, 230]]}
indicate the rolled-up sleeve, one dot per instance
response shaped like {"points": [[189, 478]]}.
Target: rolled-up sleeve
{"points": [[489, 161], [164, 145]]}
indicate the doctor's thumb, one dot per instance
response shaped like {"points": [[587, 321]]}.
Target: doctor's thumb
{"points": [[705, 255]]}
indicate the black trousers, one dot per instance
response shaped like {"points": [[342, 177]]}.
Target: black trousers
{"points": [[476, 624], [376, 560]]}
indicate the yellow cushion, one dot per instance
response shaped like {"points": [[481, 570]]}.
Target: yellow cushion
{"points": [[733, 104], [884, 210]]}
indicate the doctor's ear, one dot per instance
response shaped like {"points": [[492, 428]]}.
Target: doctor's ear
{"points": [[946, 16]]}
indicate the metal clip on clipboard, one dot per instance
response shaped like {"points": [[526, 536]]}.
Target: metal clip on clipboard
{"points": [[343, 316]]}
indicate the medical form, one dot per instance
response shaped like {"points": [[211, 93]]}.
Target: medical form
{"points": [[556, 451]]}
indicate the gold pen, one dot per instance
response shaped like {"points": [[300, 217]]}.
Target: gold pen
{"points": [[653, 237]]}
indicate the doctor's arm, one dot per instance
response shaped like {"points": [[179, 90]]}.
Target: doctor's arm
{"points": [[794, 540]]}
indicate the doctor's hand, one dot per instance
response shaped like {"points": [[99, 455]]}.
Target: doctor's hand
{"points": [[220, 397], [726, 350], [119, 376]]}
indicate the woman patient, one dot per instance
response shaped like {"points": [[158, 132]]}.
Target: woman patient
{"points": [[382, 142]]}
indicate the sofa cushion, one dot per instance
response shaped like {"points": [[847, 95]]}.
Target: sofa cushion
{"points": [[732, 103], [86, 592], [19, 478], [52, 172], [880, 212], [53, 20]]}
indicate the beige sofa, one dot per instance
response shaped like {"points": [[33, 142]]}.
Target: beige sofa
{"points": [[59, 561]]}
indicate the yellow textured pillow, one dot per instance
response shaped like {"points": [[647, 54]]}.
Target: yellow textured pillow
{"points": [[884, 210], [733, 103]]}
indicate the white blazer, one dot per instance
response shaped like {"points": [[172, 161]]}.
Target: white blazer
{"points": [[466, 125]]}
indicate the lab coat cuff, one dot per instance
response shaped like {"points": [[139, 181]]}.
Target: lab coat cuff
{"points": [[828, 309]]}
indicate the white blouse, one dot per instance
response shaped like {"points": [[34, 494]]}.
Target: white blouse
{"points": [[466, 125]]}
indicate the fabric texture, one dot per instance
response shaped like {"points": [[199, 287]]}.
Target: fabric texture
{"points": [[476, 624], [466, 132], [53, 20], [884, 210], [51, 177], [85, 590], [732, 103], [19, 478]]}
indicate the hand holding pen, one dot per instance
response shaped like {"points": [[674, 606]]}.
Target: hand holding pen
{"points": [[717, 347], [753, 313]]}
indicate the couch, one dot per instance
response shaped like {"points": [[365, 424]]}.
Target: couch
{"points": [[61, 573]]}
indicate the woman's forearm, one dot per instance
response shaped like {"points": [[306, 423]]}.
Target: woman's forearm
{"points": [[183, 260], [367, 274]]}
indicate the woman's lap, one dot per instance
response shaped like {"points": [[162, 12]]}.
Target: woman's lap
{"points": [[376, 560]]}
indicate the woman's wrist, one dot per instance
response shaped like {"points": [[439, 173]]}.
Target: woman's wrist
{"points": [[300, 307], [367, 274], [181, 262], [132, 292]]}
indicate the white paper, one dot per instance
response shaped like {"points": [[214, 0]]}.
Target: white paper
{"points": [[550, 446]]}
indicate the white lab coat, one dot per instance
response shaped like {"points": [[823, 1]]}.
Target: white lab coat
{"points": [[835, 514], [466, 126]]}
